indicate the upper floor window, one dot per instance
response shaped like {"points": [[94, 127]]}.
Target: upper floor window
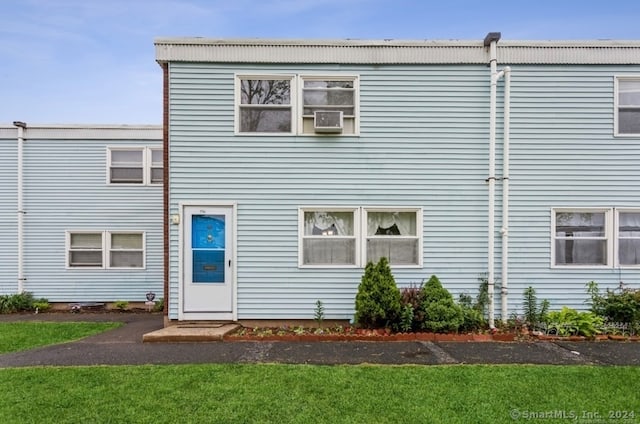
{"points": [[134, 165], [305, 104], [265, 105], [329, 95], [627, 106]]}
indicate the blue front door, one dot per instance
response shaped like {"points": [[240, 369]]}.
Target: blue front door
{"points": [[207, 287]]}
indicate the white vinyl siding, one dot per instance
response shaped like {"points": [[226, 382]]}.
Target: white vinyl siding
{"points": [[134, 165], [627, 109]]}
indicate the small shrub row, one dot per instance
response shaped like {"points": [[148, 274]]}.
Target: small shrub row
{"points": [[22, 302], [428, 307]]}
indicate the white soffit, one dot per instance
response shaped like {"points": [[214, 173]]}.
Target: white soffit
{"points": [[395, 51]]}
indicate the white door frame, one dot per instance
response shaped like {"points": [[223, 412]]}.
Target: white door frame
{"points": [[233, 315]]}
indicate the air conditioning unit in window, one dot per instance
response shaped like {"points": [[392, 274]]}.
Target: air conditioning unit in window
{"points": [[327, 121]]}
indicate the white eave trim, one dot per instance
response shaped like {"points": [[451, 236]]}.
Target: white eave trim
{"points": [[85, 132], [395, 51]]}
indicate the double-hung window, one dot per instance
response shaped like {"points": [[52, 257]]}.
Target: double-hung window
{"points": [[264, 105], [394, 234], [627, 106], [134, 165], [105, 249], [628, 237], [329, 94], [85, 250], [288, 104], [329, 237], [332, 237], [582, 237]]}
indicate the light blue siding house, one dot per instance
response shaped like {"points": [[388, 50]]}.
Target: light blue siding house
{"points": [[81, 212], [291, 164]]}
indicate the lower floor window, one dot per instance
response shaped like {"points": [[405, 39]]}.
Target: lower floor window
{"points": [[100, 249], [596, 237], [334, 236]]}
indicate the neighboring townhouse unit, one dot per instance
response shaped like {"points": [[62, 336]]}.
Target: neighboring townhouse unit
{"points": [[294, 163], [81, 212]]}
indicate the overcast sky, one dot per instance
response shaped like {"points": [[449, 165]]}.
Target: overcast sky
{"points": [[93, 61]]}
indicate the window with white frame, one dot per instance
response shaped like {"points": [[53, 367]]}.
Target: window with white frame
{"points": [[329, 94], [581, 237], [628, 105], [126, 250], [85, 250], [288, 104], [628, 237], [394, 234], [156, 168], [328, 237], [105, 249], [134, 165], [264, 105]]}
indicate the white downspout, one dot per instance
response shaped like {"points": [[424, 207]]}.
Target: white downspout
{"points": [[505, 195], [491, 41], [21, 279]]}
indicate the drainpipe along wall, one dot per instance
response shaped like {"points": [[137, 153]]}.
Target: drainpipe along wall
{"points": [[21, 278], [505, 195], [491, 40]]}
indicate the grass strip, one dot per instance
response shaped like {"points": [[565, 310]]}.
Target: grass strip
{"points": [[16, 336], [265, 393]]}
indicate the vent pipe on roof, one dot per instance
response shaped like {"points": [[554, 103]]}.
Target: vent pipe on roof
{"points": [[21, 279]]}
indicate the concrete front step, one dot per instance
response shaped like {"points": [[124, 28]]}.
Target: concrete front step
{"points": [[190, 333]]}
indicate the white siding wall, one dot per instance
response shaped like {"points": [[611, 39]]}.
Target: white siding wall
{"points": [[564, 155], [65, 188], [8, 213], [423, 143]]}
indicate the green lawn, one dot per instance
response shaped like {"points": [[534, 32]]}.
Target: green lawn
{"points": [[15, 336], [319, 394]]}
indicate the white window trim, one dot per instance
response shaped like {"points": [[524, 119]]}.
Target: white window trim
{"points": [[360, 233], [297, 103], [617, 237], [419, 232], [609, 236], [323, 208], [147, 162], [238, 98], [616, 105], [67, 256], [149, 165], [108, 249], [333, 77], [105, 248]]}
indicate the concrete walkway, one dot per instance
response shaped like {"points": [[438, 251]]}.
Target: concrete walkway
{"points": [[124, 346]]}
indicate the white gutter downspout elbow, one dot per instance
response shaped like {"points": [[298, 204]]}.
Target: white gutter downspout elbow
{"points": [[21, 278], [491, 41], [505, 195]]}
